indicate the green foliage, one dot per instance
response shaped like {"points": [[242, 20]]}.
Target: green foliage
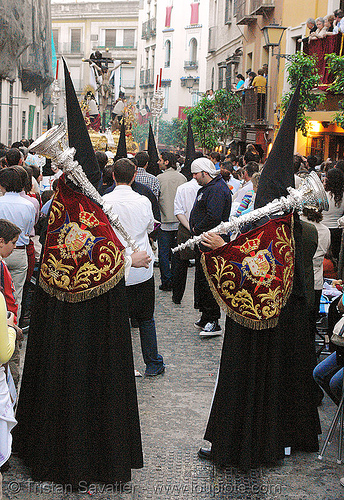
{"points": [[227, 107], [304, 67], [140, 133], [173, 133], [216, 119], [203, 122], [335, 64]]}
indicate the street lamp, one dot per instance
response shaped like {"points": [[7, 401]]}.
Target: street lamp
{"points": [[273, 34], [189, 83]]}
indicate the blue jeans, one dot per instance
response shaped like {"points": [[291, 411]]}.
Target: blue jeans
{"points": [[329, 375], [149, 345], [167, 240]]}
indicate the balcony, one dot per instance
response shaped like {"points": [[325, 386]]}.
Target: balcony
{"points": [[71, 48], [114, 47], [128, 84], [146, 78], [190, 64], [212, 39], [149, 29], [319, 48], [243, 14], [262, 7], [253, 112]]}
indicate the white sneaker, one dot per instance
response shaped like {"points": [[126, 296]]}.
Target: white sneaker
{"points": [[211, 329], [341, 480]]}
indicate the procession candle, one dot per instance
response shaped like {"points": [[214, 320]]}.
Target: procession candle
{"points": [[57, 68], [157, 83], [160, 77]]}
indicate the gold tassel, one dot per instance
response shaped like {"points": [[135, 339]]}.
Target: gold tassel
{"points": [[74, 297]]}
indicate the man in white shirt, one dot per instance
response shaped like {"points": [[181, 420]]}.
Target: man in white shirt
{"points": [[16, 209], [183, 203], [135, 214]]}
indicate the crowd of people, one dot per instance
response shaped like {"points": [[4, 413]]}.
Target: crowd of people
{"points": [[159, 212], [321, 27]]}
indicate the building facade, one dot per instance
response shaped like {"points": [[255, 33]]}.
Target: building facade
{"points": [[173, 41], [225, 45], [81, 27], [25, 70]]}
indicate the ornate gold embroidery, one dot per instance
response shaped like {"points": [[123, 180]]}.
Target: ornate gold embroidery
{"points": [[57, 210], [56, 273]]}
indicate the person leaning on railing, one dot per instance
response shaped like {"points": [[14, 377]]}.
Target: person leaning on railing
{"points": [[320, 31]]}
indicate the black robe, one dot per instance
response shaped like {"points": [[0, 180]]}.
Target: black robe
{"points": [[77, 413], [265, 398]]}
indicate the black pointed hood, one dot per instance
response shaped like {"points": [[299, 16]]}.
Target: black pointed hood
{"points": [[278, 171], [77, 132], [121, 147], [153, 167], [190, 152], [46, 170]]}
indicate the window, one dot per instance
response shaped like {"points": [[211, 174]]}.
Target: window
{"points": [[235, 7], [228, 11], [128, 77], [167, 53], [75, 40], [194, 13], [110, 38], [166, 96], [56, 39], [129, 38], [212, 78], [23, 124], [193, 50], [222, 71], [229, 77]]}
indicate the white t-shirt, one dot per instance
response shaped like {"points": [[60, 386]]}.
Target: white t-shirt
{"points": [[185, 198], [331, 216], [136, 216]]}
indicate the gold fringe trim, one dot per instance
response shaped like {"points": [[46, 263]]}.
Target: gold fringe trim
{"points": [[341, 45], [84, 295], [258, 324]]}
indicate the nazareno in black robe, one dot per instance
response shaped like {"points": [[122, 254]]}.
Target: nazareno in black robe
{"points": [[77, 413], [265, 398]]}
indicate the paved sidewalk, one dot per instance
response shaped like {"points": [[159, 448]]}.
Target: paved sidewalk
{"points": [[174, 410]]}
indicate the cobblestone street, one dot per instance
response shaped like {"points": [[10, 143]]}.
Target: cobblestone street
{"points": [[174, 410]]}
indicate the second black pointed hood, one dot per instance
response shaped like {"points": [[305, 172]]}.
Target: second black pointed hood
{"points": [[278, 171], [153, 167], [122, 146]]}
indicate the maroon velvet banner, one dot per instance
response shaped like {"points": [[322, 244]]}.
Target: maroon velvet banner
{"points": [[82, 255], [319, 48], [251, 278]]}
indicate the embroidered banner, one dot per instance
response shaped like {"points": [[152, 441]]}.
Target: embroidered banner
{"points": [[82, 255], [251, 278]]}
